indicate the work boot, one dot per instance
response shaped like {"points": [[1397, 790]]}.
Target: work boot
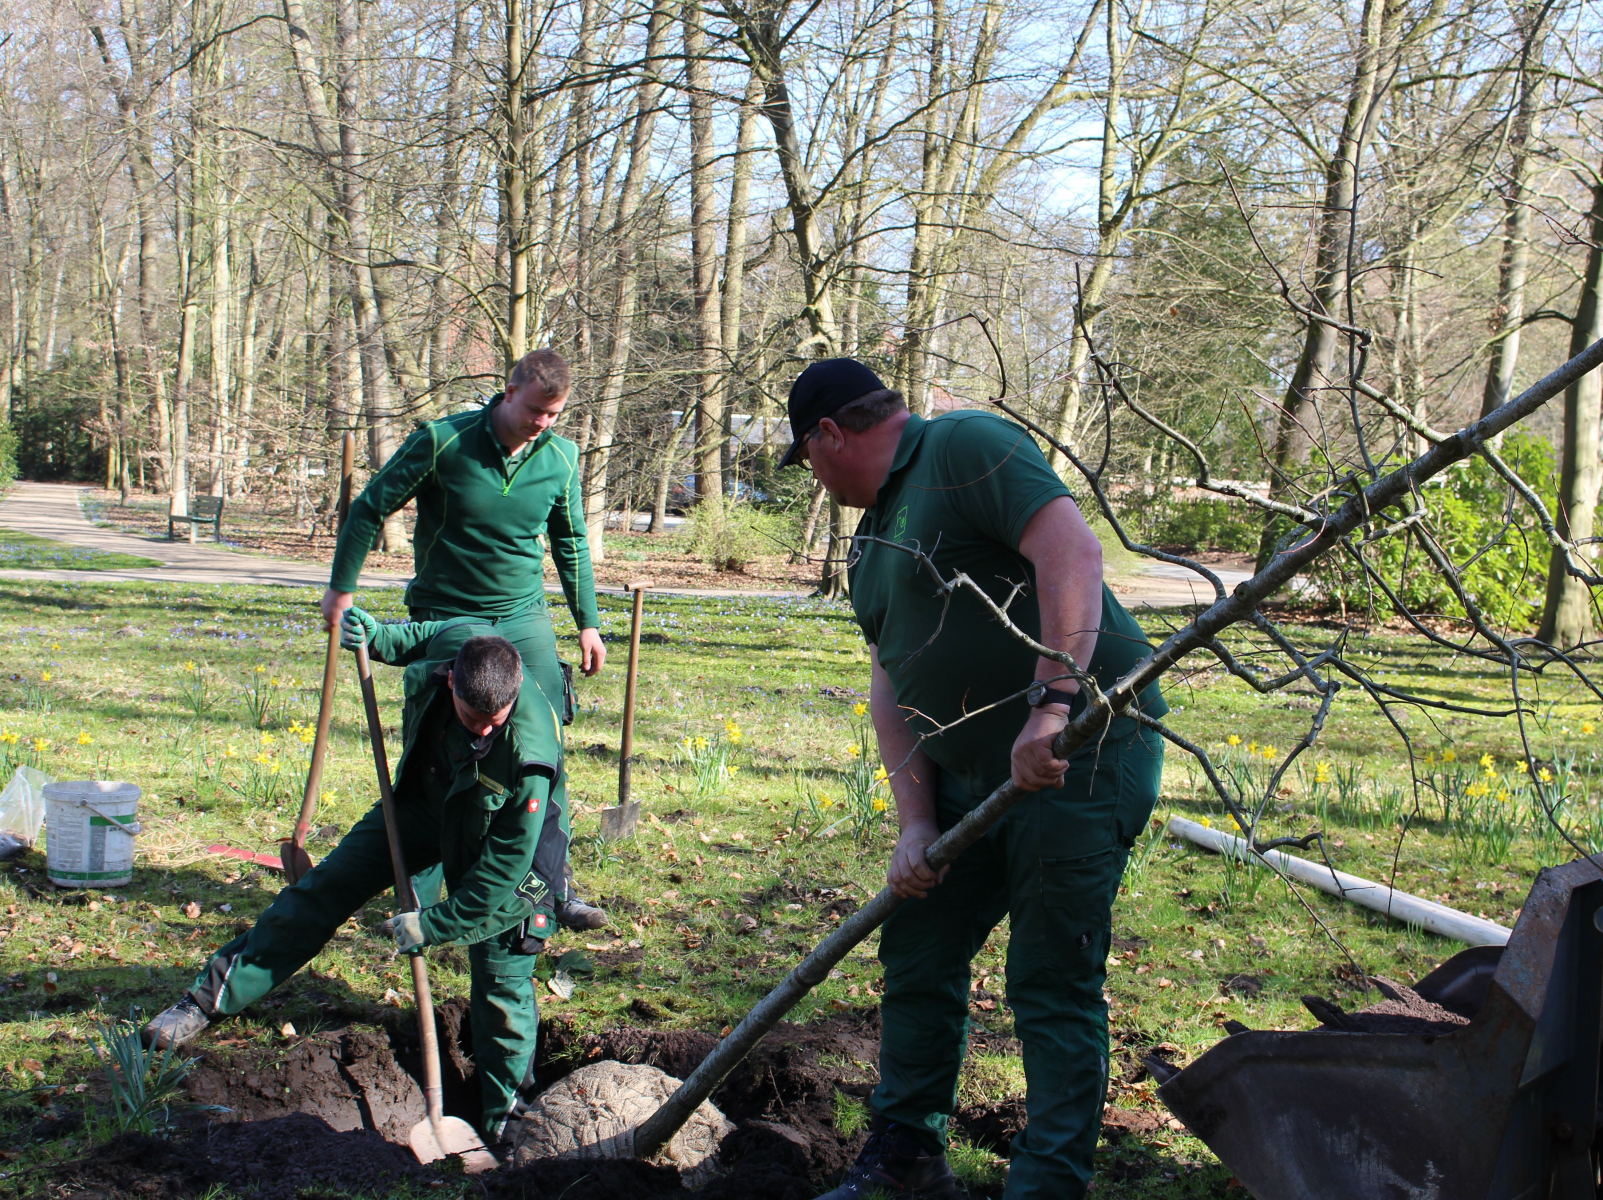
{"points": [[576, 914], [893, 1163], [175, 1026]]}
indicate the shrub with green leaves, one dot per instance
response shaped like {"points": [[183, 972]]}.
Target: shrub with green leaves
{"points": [[1471, 514], [1206, 525]]}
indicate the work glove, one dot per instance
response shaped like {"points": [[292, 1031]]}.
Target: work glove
{"points": [[357, 629], [406, 928]]}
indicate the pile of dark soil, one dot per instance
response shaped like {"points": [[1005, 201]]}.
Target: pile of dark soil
{"points": [[330, 1113], [1402, 1011]]}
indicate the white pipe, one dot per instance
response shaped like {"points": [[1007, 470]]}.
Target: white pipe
{"points": [[1427, 914]]}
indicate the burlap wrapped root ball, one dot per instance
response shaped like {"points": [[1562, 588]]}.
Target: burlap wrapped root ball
{"points": [[594, 1112]]}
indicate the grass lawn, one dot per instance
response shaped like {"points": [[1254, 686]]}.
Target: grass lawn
{"points": [[749, 849], [26, 552]]}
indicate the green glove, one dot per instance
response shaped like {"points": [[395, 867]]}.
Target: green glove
{"points": [[357, 629], [406, 928]]}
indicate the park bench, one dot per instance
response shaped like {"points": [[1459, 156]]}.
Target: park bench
{"points": [[203, 510]]}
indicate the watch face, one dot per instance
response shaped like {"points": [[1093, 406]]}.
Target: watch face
{"points": [[1036, 693]]}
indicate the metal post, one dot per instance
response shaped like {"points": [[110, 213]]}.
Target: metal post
{"points": [[627, 748]]}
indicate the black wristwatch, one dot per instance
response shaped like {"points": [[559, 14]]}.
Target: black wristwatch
{"points": [[1040, 693]]}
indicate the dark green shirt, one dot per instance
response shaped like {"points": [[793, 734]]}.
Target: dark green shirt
{"points": [[483, 521], [503, 836], [962, 487]]}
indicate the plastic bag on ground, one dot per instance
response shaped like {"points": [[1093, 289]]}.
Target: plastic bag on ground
{"points": [[22, 810]]}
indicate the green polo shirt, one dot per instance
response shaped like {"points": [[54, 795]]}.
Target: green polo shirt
{"points": [[962, 487], [484, 519]]}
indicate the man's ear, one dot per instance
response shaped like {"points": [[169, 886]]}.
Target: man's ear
{"points": [[828, 429], [450, 679]]}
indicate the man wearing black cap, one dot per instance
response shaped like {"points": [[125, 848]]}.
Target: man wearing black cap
{"points": [[974, 492]]}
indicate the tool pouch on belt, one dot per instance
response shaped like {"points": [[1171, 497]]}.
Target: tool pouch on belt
{"points": [[569, 697]]}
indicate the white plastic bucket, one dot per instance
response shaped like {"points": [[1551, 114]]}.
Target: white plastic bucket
{"points": [[89, 833]]}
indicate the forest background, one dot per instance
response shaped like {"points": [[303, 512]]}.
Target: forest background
{"points": [[233, 231]]}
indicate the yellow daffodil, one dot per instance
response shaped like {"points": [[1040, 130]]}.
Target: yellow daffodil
{"points": [[854, 750], [329, 795], [231, 753], [40, 745], [859, 709], [8, 738], [273, 682], [55, 645], [276, 766], [1523, 767], [1587, 727], [189, 665], [881, 775], [1430, 759], [1205, 823], [294, 726], [1270, 754], [44, 676], [1503, 795], [1322, 772], [1234, 739], [732, 731], [308, 736], [260, 670], [826, 802], [267, 739], [701, 743], [1252, 747], [262, 759], [879, 804], [733, 768], [1477, 789], [685, 743], [1449, 755], [1545, 775], [1486, 760], [84, 739]]}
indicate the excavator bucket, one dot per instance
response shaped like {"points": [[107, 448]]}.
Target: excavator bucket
{"points": [[1504, 1107]]}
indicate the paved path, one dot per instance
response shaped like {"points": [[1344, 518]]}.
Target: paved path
{"points": [[52, 510]]}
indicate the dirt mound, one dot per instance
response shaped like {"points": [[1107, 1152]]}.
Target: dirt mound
{"points": [[351, 1080], [276, 1159], [1402, 1011]]}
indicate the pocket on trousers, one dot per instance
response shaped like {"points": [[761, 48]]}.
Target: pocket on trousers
{"points": [[1077, 894]]}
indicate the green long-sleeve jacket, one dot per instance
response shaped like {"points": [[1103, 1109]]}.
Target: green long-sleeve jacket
{"points": [[503, 837], [483, 520]]}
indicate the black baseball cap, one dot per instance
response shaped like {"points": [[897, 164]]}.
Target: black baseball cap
{"points": [[824, 387]]}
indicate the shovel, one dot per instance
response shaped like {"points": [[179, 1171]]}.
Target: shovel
{"points": [[437, 1135], [292, 850]]}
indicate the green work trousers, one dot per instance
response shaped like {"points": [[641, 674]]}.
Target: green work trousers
{"points": [[536, 643], [301, 920], [1052, 866]]}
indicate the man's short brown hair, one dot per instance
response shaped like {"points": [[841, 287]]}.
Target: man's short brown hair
{"points": [[545, 368]]}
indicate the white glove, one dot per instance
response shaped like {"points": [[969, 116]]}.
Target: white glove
{"points": [[407, 930]]}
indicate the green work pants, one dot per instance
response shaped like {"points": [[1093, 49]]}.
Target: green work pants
{"points": [[302, 919], [1053, 867], [531, 635]]}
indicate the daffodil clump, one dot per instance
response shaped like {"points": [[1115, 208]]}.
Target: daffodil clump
{"points": [[710, 761]]}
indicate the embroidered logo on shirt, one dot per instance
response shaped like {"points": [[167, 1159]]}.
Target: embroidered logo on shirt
{"points": [[899, 526]]}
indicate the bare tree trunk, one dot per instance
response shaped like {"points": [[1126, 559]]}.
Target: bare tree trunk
{"points": [[1509, 314], [221, 376], [445, 212], [709, 426], [1567, 616], [1321, 341], [515, 185], [842, 524], [628, 276]]}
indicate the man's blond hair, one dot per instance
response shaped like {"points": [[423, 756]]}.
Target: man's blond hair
{"points": [[545, 368]]}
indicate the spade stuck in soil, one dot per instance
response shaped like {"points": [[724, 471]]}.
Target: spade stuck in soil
{"points": [[437, 1135]]}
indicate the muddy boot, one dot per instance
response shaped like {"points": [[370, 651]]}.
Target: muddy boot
{"points": [[576, 914], [893, 1163], [175, 1026]]}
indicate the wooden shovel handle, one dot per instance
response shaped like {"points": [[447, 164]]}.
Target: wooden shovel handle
{"points": [[325, 718], [404, 896]]}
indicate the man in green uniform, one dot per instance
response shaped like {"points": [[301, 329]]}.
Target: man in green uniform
{"points": [[493, 486], [475, 792], [974, 493]]}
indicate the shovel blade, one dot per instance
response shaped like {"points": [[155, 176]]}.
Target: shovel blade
{"points": [[458, 1137], [297, 863], [619, 821]]}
